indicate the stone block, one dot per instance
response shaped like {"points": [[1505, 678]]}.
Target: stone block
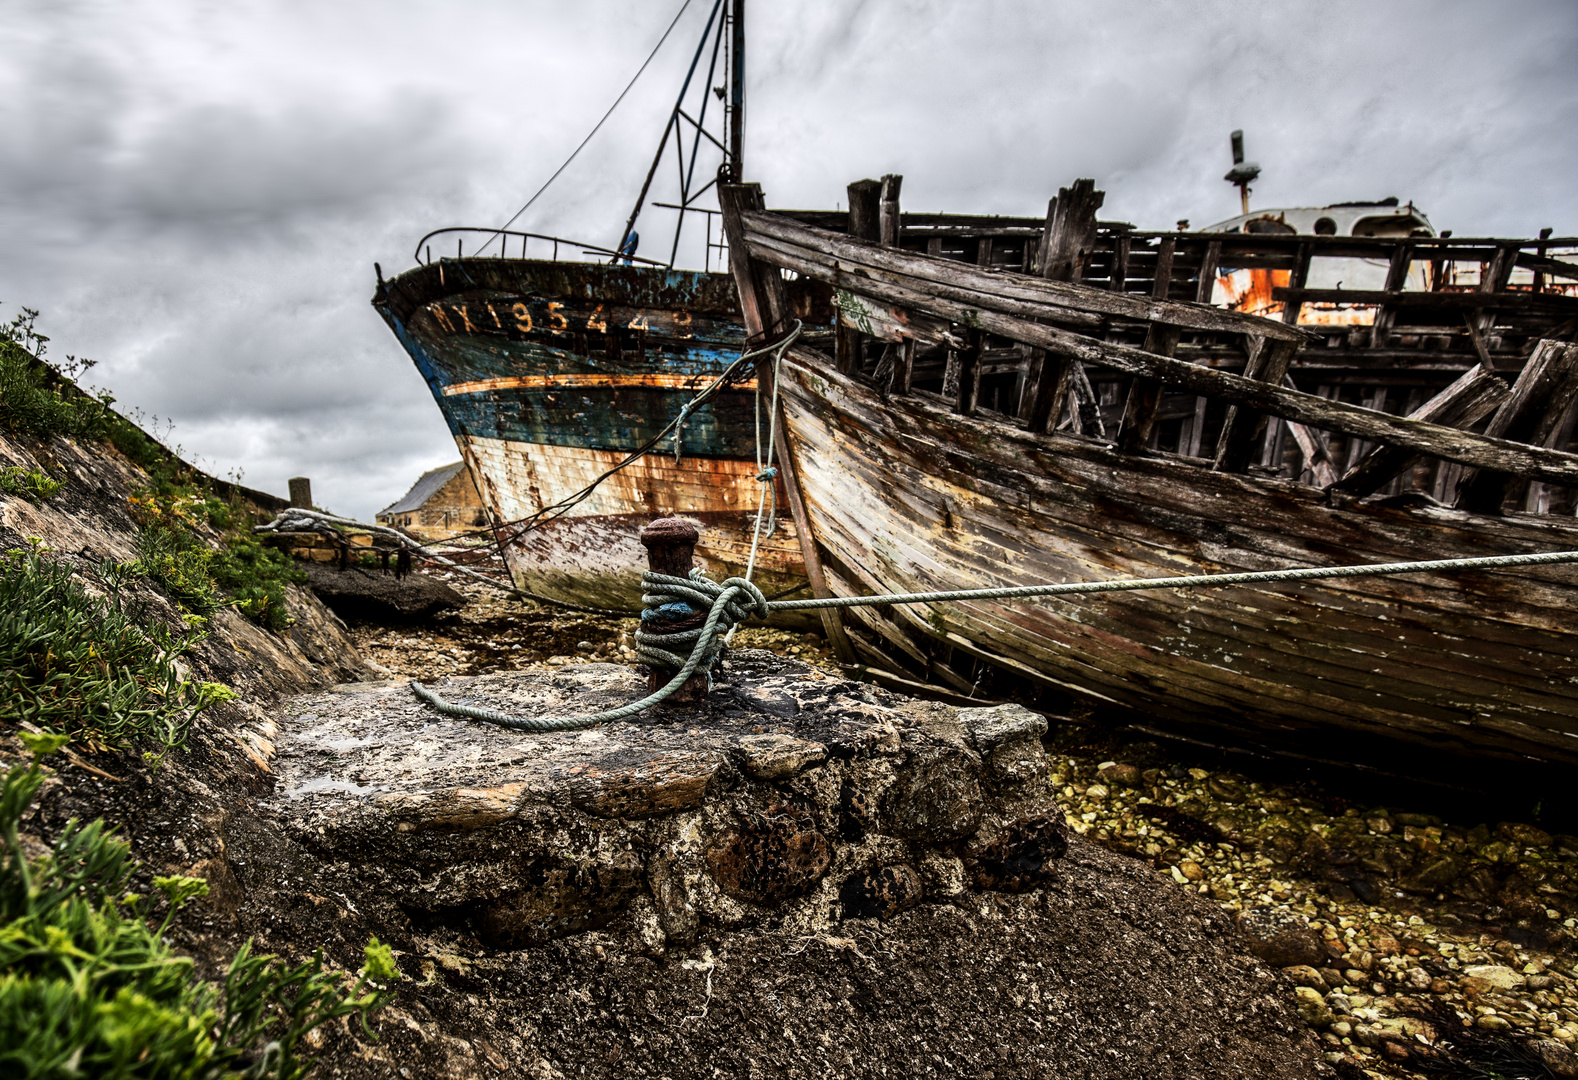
{"points": [[771, 856]]}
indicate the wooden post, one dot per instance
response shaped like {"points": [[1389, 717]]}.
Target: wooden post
{"points": [[1067, 241], [1465, 403], [301, 492], [1545, 388], [865, 210], [671, 549], [889, 224], [865, 223], [1241, 431], [735, 199]]}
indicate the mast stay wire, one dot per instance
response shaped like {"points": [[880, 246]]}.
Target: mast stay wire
{"points": [[684, 5], [672, 125]]}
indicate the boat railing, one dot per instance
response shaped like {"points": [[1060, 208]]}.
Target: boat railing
{"points": [[424, 250], [1117, 339]]}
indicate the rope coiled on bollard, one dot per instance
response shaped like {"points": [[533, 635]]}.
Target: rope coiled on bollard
{"points": [[730, 602]]}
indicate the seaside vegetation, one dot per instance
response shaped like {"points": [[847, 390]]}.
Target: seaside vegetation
{"points": [[90, 987], [177, 510], [93, 668]]}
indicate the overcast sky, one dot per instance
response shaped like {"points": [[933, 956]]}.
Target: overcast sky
{"points": [[194, 194]]}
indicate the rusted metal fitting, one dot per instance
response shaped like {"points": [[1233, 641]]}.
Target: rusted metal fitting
{"points": [[671, 549]]}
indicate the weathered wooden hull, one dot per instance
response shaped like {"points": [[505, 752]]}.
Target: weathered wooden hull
{"points": [[551, 373], [906, 495]]}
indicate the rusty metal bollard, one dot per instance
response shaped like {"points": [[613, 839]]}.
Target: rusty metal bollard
{"points": [[671, 549]]}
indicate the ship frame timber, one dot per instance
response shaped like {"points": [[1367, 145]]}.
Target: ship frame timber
{"points": [[900, 488]]}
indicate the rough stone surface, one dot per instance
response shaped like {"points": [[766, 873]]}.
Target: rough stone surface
{"points": [[636, 900], [778, 757], [1281, 939]]}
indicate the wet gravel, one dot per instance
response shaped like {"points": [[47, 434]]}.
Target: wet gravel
{"points": [[1412, 945]]}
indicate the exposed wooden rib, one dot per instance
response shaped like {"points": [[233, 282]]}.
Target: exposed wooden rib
{"points": [[1145, 395], [1531, 414], [1241, 431], [1431, 439], [996, 289], [1208, 268], [1396, 278], [1297, 279], [1464, 403]]}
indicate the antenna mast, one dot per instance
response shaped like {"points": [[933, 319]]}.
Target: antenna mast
{"points": [[737, 89], [1243, 173]]}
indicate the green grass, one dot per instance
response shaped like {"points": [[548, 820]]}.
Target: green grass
{"points": [[89, 986], [90, 667], [35, 399], [255, 576], [34, 485]]}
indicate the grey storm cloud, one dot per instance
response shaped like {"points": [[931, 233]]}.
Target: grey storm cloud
{"points": [[194, 194]]}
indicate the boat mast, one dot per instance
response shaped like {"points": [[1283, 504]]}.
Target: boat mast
{"points": [[737, 91]]}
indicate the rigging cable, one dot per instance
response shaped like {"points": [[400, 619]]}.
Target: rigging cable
{"points": [[685, 4]]}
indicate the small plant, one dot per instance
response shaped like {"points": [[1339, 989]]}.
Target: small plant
{"points": [[86, 666], [256, 576], [179, 562], [31, 397], [34, 485], [88, 986]]}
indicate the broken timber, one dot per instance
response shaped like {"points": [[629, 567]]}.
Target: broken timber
{"points": [[961, 482]]}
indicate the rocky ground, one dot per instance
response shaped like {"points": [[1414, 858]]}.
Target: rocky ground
{"points": [[1412, 945]]}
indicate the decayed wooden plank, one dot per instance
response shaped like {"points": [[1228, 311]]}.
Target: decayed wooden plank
{"points": [[1396, 278], [1540, 398], [1464, 403], [1145, 395], [1070, 234], [1431, 439], [888, 218], [1243, 428], [1111, 654], [992, 288]]}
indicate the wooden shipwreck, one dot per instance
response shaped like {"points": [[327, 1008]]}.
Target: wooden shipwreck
{"points": [[1056, 400]]}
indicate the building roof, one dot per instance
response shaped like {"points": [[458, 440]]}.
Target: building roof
{"points": [[425, 488]]}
